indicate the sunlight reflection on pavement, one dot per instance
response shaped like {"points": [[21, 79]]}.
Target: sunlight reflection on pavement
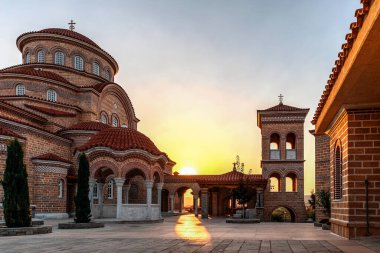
{"points": [[189, 227]]}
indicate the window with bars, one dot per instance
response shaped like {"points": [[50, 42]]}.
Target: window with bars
{"points": [[115, 121], [41, 56], [104, 118], [95, 68], [52, 95], [110, 189], [78, 63], [20, 90], [59, 58], [338, 184], [27, 58]]}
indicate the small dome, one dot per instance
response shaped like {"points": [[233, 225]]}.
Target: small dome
{"points": [[69, 33], [119, 138]]}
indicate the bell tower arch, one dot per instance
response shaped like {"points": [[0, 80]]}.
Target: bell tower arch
{"points": [[282, 162]]}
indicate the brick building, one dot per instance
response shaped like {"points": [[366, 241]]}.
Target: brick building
{"points": [[347, 130]]}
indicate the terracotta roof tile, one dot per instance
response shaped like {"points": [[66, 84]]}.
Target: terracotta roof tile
{"points": [[35, 72], [51, 112], [50, 157], [7, 132], [88, 126], [282, 107], [342, 56], [69, 33]]}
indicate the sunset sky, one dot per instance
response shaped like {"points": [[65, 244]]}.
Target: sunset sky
{"points": [[197, 71]]}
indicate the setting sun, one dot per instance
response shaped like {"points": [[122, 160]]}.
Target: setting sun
{"points": [[187, 171]]}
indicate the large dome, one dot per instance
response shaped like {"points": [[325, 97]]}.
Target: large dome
{"points": [[69, 33]]}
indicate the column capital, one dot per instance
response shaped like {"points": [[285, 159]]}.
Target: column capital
{"points": [[119, 181], [149, 183], [195, 196], [91, 182], [160, 186]]}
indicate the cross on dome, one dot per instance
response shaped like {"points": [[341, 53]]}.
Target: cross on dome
{"points": [[72, 27], [281, 98]]}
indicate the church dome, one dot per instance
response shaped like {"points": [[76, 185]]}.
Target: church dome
{"points": [[69, 33], [87, 126], [120, 139]]}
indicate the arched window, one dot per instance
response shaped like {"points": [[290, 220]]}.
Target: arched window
{"points": [[78, 63], [95, 191], [20, 90], [274, 146], [104, 118], [291, 153], [59, 58], [107, 75], [27, 58], [110, 189], [60, 188], [275, 182], [115, 121], [52, 95], [338, 179], [95, 68], [41, 56], [291, 182]]}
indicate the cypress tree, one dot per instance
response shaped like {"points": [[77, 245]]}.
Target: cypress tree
{"points": [[82, 202], [16, 191]]}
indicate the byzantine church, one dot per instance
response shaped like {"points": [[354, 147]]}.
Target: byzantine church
{"points": [[62, 101]]}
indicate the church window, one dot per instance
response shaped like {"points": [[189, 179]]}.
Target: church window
{"points": [[338, 185], [104, 118], [95, 191], [291, 153], [60, 188], [59, 58], [20, 90], [107, 75], [115, 121], [78, 63], [52, 95], [41, 56], [27, 58], [110, 189], [95, 68], [274, 146]]}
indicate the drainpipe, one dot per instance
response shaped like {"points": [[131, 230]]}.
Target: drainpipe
{"points": [[366, 205]]}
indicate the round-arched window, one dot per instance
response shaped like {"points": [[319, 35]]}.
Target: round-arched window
{"points": [[338, 178], [107, 75], [104, 118], [78, 63], [115, 121], [20, 90], [95, 68], [59, 58], [52, 95], [41, 56], [110, 189], [27, 58]]}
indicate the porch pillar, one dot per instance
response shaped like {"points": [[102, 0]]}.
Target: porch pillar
{"points": [[91, 184], [159, 191], [181, 202], [260, 204], [149, 186], [100, 198], [171, 196], [195, 198], [119, 184], [204, 203], [127, 193]]}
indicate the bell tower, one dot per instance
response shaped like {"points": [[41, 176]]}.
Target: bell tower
{"points": [[282, 162]]}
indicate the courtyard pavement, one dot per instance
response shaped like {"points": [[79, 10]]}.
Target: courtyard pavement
{"points": [[188, 234]]}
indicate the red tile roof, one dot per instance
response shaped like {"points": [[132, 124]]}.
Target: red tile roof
{"points": [[69, 33], [51, 112], [282, 107], [24, 70], [120, 138], [50, 157], [355, 27], [88, 126], [7, 132]]}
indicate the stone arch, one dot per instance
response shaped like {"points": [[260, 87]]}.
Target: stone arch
{"points": [[102, 163], [293, 214], [277, 185], [132, 164], [291, 177]]}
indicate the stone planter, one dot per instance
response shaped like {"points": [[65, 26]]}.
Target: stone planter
{"points": [[73, 225], [5, 231]]}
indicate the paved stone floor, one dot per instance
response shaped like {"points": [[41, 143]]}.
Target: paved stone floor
{"points": [[188, 234]]}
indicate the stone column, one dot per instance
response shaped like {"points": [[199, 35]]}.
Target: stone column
{"points": [[181, 202], [100, 199], [283, 184], [195, 197], [159, 191], [149, 185], [91, 184], [260, 204], [127, 193], [204, 200], [119, 184], [171, 196]]}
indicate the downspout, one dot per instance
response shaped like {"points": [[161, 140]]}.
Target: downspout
{"points": [[366, 205]]}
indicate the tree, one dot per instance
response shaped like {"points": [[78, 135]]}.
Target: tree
{"points": [[323, 200], [82, 202], [243, 194], [16, 191]]}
